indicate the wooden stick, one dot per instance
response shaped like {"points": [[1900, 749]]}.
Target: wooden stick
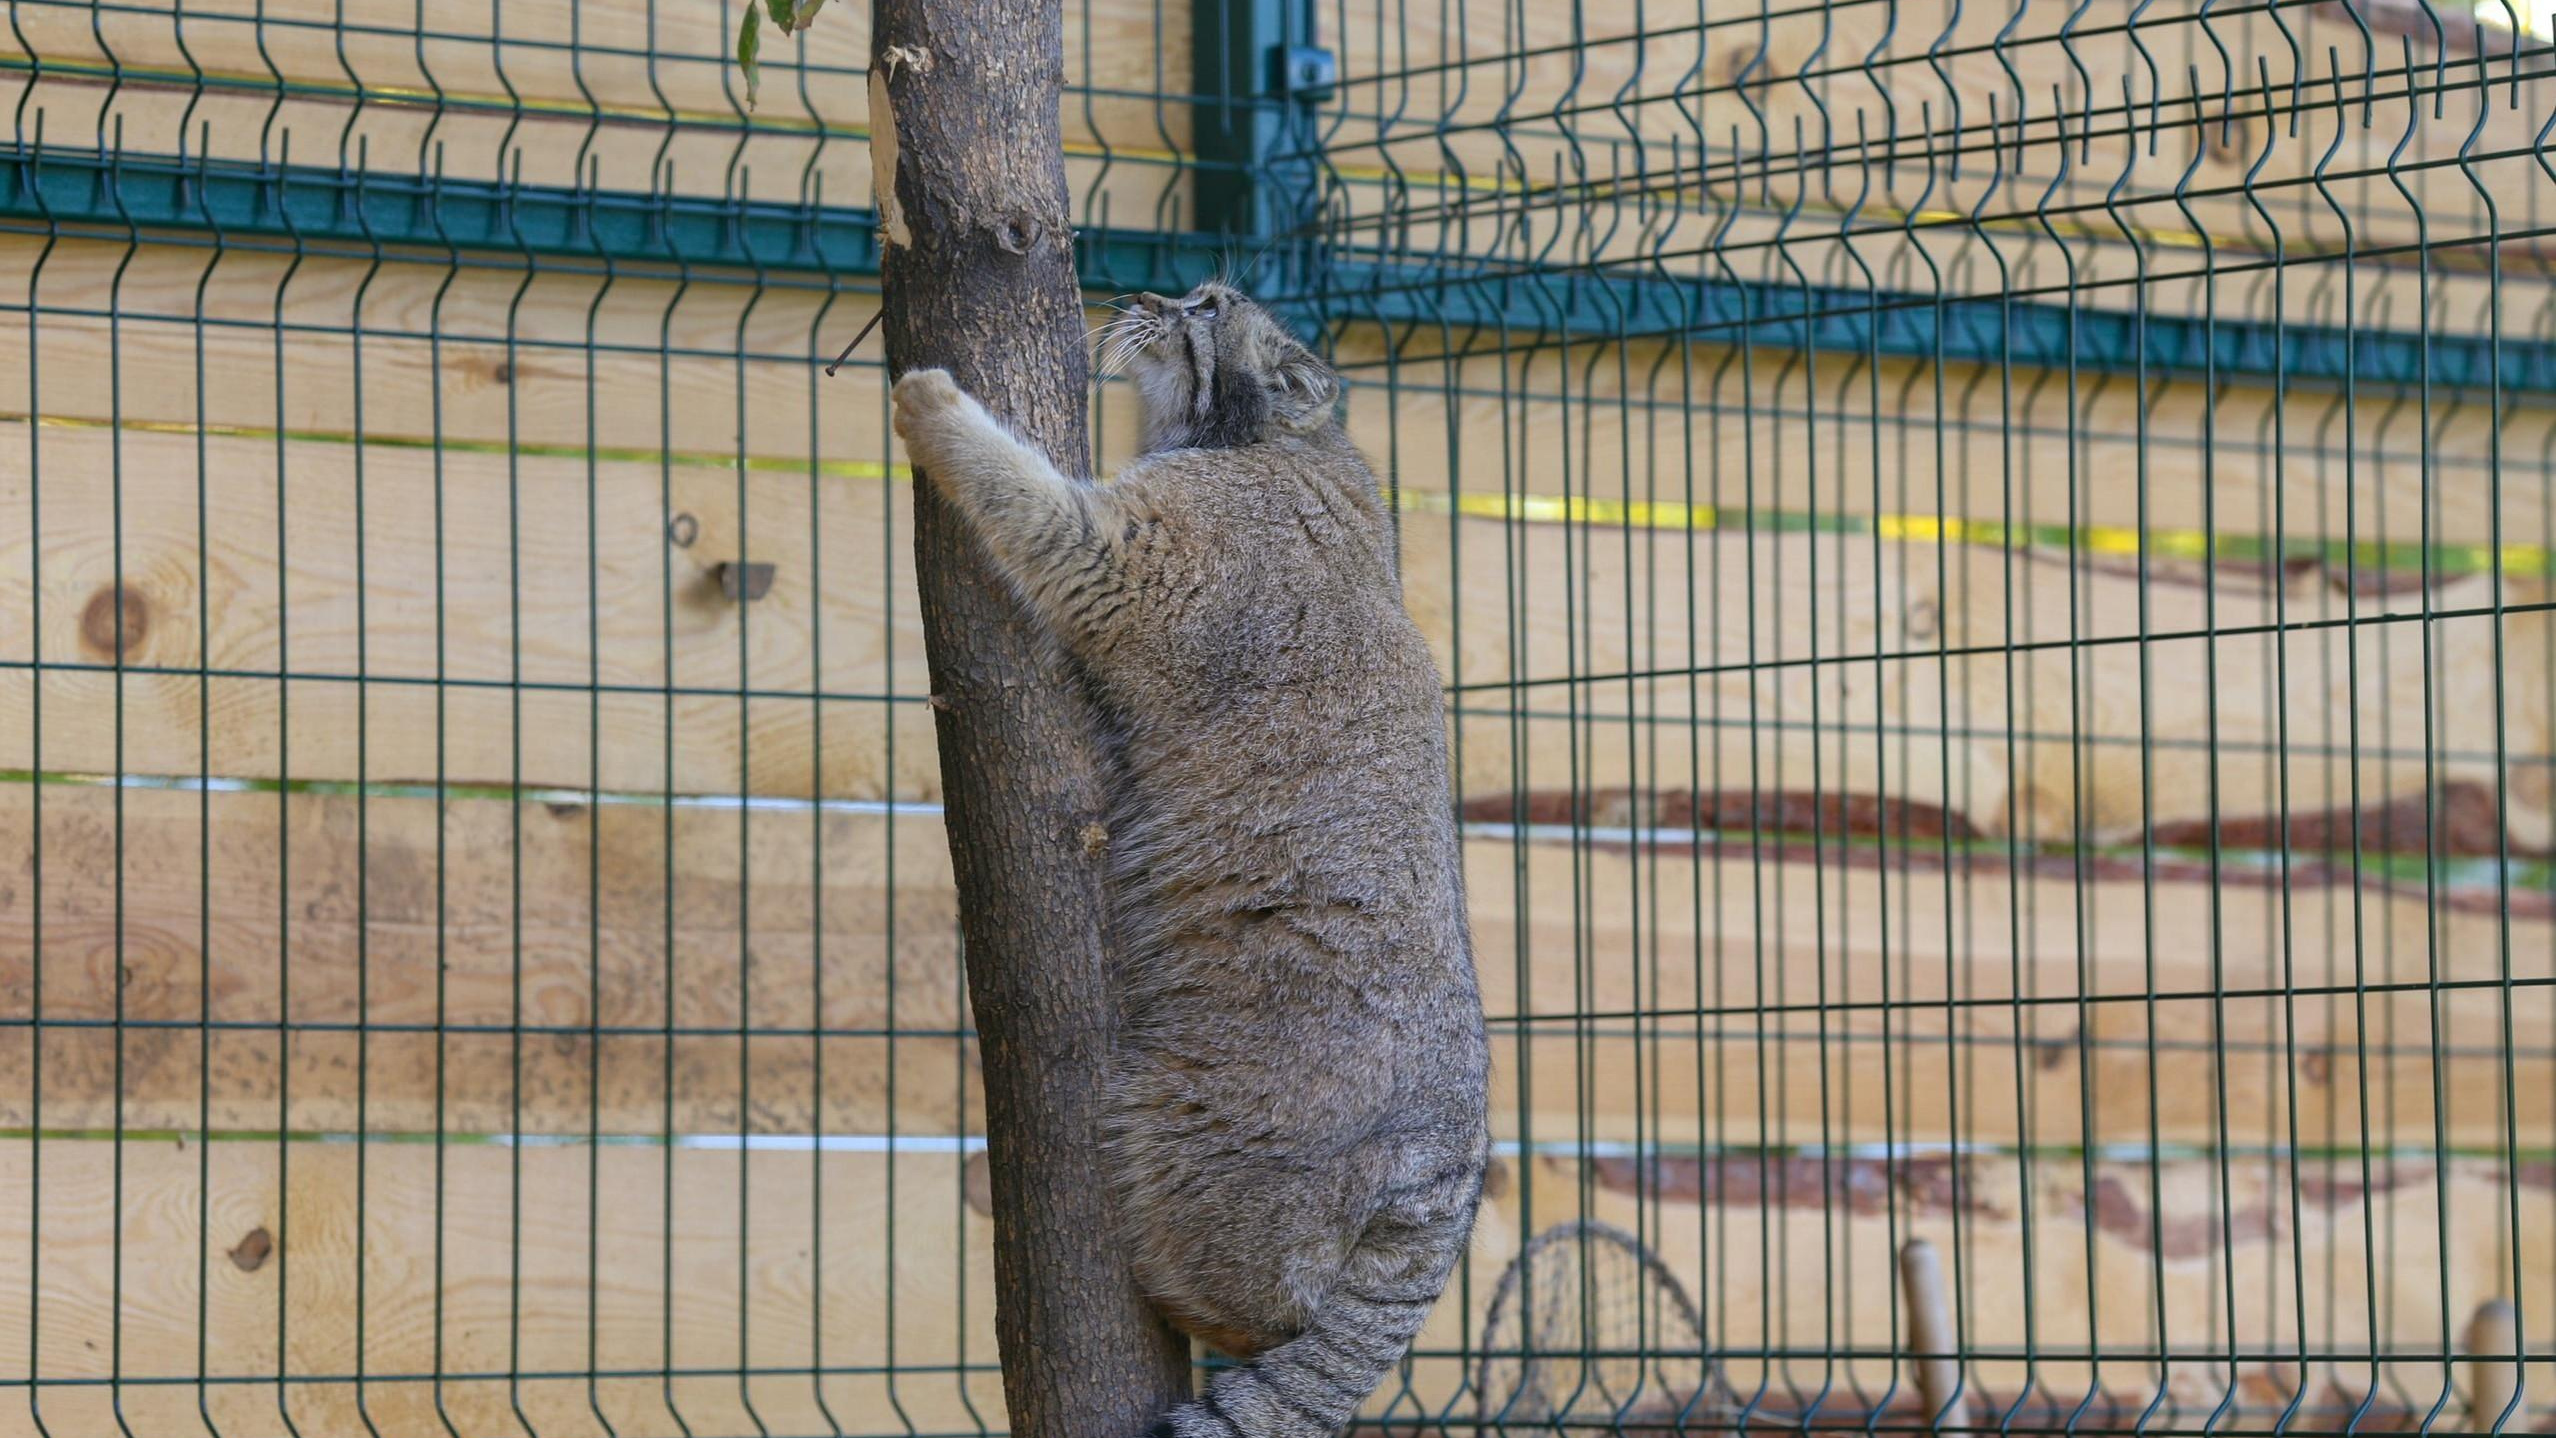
{"points": [[2493, 1379], [1931, 1339]]}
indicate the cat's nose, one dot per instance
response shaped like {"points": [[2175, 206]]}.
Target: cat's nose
{"points": [[1155, 304]]}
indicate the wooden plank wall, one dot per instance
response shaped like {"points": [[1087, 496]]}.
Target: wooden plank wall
{"points": [[462, 803], [403, 911], [549, 1261]]}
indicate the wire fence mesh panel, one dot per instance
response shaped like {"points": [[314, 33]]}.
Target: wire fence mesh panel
{"points": [[1991, 564], [479, 956]]}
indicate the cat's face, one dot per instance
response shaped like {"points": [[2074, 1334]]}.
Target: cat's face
{"points": [[1216, 370]]}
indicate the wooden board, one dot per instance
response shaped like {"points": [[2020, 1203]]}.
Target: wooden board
{"points": [[480, 1261], [672, 368], [1640, 423], [1771, 435], [599, 592], [561, 917], [551, 1261], [551, 87], [1799, 664], [1694, 997], [595, 583]]}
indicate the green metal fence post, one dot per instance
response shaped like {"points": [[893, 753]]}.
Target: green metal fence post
{"points": [[1257, 73]]}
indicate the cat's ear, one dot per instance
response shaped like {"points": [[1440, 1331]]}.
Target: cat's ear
{"points": [[1302, 388]]}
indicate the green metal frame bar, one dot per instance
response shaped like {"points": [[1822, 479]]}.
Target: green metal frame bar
{"points": [[405, 217], [1903, 325], [320, 203], [411, 218]]}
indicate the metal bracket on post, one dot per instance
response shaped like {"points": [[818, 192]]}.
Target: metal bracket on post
{"points": [[1258, 74]]}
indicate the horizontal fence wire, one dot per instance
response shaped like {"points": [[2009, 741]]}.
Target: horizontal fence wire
{"points": [[1990, 565]]}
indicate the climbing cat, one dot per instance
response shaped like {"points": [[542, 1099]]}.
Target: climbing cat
{"points": [[1297, 1132]]}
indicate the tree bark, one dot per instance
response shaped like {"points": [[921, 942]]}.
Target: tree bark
{"points": [[978, 273]]}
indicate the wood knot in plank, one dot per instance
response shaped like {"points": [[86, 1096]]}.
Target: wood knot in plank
{"points": [[249, 1254], [115, 621]]}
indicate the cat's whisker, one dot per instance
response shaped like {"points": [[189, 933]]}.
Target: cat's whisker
{"points": [[1117, 343], [1252, 267], [1110, 351]]}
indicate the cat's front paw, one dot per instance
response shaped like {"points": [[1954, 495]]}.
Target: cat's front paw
{"points": [[923, 396]]}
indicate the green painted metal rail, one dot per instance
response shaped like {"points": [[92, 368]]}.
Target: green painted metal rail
{"points": [[360, 212]]}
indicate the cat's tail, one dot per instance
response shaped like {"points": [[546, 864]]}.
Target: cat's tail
{"points": [[1310, 1385]]}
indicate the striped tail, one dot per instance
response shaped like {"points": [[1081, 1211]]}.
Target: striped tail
{"points": [[1312, 1384]]}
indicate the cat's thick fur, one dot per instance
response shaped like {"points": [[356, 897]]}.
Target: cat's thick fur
{"points": [[1298, 1131]]}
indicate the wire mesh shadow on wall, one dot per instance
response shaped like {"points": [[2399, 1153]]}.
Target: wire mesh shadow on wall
{"points": [[1991, 564]]}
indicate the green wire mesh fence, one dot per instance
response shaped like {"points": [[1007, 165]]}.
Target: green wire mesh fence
{"points": [[1991, 562]]}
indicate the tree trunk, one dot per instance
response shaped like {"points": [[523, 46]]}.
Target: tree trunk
{"points": [[978, 271]]}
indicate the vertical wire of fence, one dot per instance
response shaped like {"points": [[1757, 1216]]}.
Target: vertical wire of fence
{"points": [[1991, 564]]}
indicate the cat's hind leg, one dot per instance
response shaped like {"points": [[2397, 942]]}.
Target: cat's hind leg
{"points": [[1052, 535]]}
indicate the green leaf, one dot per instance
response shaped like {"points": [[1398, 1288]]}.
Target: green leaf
{"points": [[807, 13], [750, 49], [780, 10]]}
